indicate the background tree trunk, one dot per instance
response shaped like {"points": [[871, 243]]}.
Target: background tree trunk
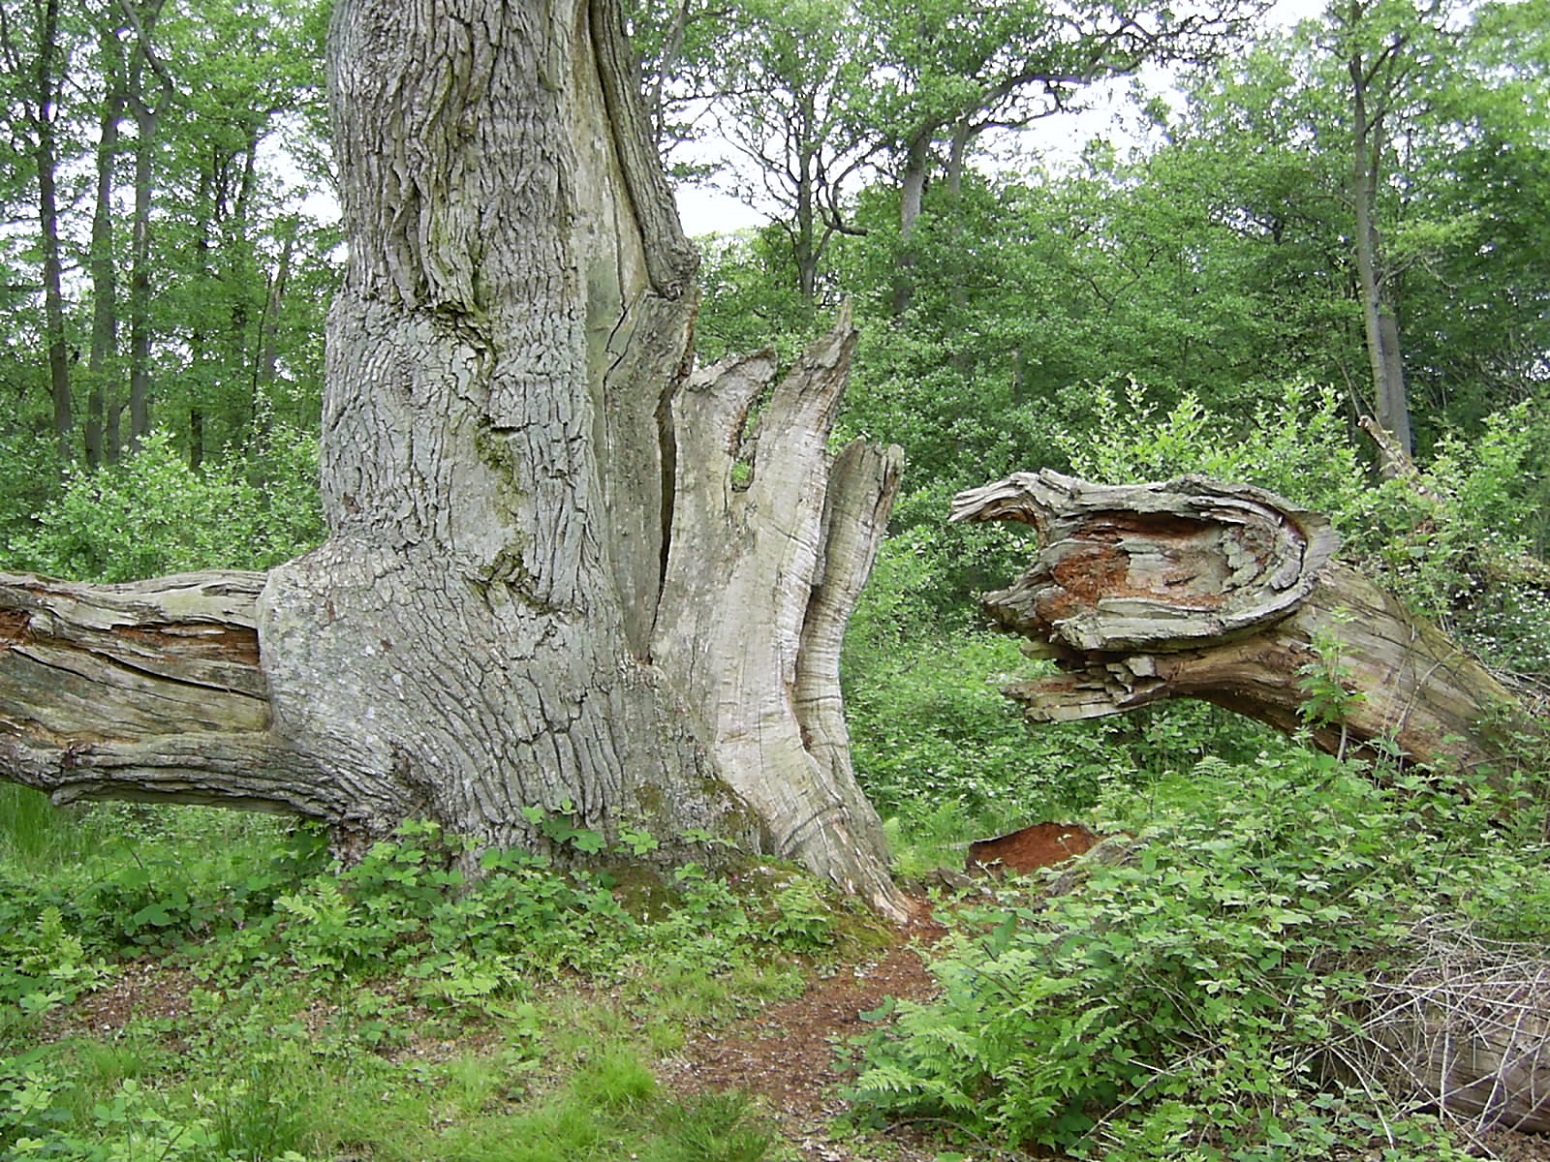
{"points": [[560, 574], [1384, 356], [49, 79], [103, 362], [1229, 594]]}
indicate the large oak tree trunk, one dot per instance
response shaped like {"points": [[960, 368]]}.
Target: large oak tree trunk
{"points": [[560, 572], [1229, 594]]}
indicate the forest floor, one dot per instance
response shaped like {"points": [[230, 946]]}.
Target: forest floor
{"points": [[790, 1055]]}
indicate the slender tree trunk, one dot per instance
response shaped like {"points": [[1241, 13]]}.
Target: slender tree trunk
{"points": [[113, 444], [196, 438], [140, 276], [269, 354], [199, 360], [147, 121], [103, 361], [912, 192], [48, 76], [805, 245], [1380, 325], [542, 586], [957, 158], [672, 48]]}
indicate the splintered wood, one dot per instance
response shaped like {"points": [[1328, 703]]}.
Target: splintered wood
{"points": [[1198, 589]]}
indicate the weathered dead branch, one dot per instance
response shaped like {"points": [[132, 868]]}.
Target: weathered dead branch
{"points": [[1464, 1030], [1228, 594], [150, 690]]}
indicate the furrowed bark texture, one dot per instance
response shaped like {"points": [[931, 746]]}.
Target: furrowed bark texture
{"points": [[1198, 589], [542, 585]]}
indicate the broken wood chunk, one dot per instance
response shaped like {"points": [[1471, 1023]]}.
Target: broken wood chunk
{"points": [[1031, 848], [1227, 593]]}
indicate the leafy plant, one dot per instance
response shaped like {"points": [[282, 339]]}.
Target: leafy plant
{"points": [[152, 515], [1181, 1005]]}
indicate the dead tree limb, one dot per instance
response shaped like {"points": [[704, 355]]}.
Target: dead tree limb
{"points": [[1229, 594], [150, 690]]}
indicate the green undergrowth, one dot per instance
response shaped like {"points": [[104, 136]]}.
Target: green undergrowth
{"points": [[1190, 1002], [395, 1009]]}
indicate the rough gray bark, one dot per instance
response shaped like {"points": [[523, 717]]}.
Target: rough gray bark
{"points": [[1198, 589], [559, 571]]}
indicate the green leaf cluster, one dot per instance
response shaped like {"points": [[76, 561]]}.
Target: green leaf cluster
{"points": [[151, 515], [1188, 1003]]}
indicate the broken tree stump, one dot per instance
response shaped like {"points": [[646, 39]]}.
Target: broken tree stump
{"points": [[1030, 848], [1229, 594]]}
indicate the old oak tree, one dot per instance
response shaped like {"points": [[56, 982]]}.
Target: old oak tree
{"points": [[567, 571], [563, 570]]}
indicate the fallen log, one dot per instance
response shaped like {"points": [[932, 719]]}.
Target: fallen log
{"points": [[149, 690], [1230, 594], [1463, 1028]]}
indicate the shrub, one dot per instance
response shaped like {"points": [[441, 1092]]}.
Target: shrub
{"points": [[152, 515], [1183, 1005]]}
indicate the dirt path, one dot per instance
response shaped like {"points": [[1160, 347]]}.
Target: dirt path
{"points": [[786, 1054]]}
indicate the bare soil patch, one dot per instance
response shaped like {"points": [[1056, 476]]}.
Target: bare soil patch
{"points": [[786, 1055]]}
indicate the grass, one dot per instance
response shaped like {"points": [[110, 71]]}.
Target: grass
{"points": [[33, 832], [280, 1055]]}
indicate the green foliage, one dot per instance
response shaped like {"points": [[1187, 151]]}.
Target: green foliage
{"points": [[1325, 681], [930, 728], [1180, 1005], [151, 515], [32, 830], [1298, 446], [131, 1125], [45, 966], [749, 300], [29, 480], [328, 996], [468, 1108], [938, 747], [714, 1127]]}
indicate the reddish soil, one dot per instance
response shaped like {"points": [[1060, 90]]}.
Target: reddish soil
{"points": [[1042, 845], [786, 1055]]}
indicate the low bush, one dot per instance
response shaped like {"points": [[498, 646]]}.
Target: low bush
{"points": [[1183, 1005], [152, 515]]}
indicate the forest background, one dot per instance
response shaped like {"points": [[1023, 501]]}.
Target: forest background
{"points": [[1345, 219]]}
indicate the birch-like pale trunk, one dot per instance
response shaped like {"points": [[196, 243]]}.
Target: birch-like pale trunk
{"points": [[1380, 327], [560, 574]]}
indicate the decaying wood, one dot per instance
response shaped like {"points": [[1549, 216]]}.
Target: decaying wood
{"points": [[1198, 589], [1463, 1028], [150, 690], [1030, 848], [552, 579]]}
